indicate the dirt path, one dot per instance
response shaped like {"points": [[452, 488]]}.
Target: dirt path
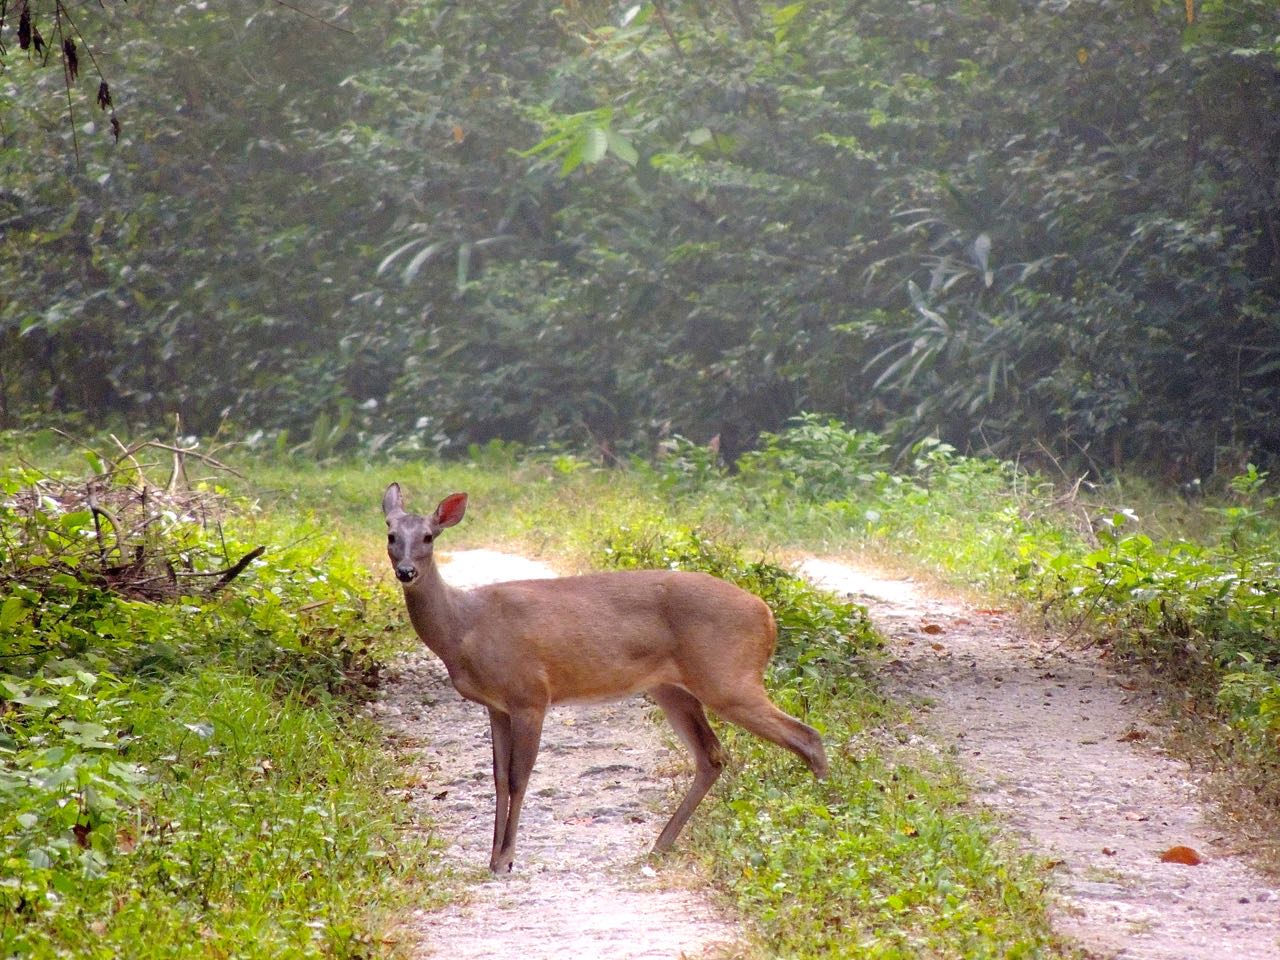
{"points": [[1065, 754], [581, 887], [1053, 742]]}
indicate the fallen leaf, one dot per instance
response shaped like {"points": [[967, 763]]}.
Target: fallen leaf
{"points": [[1133, 736], [932, 628], [98, 928], [81, 830], [440, 796], [1183, 855], [938, 646], [1108, 851], [126, 842]]}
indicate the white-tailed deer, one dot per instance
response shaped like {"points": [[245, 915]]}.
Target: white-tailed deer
{"points": [[685, 639]]}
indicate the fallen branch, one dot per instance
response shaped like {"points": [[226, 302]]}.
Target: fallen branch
{"points": [[236, 569], [100, 513]]}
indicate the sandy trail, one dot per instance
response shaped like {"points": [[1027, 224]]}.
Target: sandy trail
{"points": [[1067, 756], [598, 798], [1053, 742]]}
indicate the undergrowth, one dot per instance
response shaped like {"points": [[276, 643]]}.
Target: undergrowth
{"points": [[192, 756], [885, 858], [180, 770], [1189, 588]]}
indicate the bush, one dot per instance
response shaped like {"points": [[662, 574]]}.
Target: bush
{"points": [[179, 771]]}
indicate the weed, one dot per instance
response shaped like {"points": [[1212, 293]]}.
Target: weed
{"points": [[183, 777], [881, 859]]}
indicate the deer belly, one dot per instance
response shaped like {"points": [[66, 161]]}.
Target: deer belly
{"points": [[594, 682]]}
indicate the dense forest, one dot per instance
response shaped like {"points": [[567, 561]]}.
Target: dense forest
{"points": [[1026, 227]]}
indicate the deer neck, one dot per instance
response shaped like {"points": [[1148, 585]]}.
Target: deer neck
{"points": [[435, 612]]}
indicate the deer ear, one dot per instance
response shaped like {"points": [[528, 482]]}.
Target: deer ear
{"points": [[451, 510], [391, 502]]}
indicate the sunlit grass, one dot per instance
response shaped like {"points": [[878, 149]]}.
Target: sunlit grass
{"points": [[886, 858], [267, 833], [188, 778]]}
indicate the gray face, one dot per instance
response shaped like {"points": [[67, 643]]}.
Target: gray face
{"points": [[409, 544], [410, 538]]}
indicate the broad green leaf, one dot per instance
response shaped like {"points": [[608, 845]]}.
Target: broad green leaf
{"points": [[573, 156], [38, 701], [597, 143], [784, 15], [11, 611], [622, 148]]}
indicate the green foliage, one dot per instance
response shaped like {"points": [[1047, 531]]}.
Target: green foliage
{"points": [[64, 779], [684, 467], [214, 803], [606, 226], [180, 774], [818, 459], [881, 860], [1205, 613]]}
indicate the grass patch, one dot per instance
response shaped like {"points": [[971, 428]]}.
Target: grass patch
{"points": [[1187, 588], [885, 858], [186, 777]]}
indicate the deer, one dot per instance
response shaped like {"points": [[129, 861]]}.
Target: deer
{"points": [[688, 640]]}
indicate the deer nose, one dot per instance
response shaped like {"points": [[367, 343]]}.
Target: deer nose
{"points": [[406, 572]]}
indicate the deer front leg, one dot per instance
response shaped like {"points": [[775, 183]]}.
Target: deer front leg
{"points": [[500, 730], [525, 736]]}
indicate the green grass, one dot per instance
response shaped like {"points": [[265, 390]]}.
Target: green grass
{"points": [[236, 716], [887, 858], [262, 831], [884, 859], [187, 777]]}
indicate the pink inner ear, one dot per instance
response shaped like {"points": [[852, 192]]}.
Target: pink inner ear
{"points": [[451, 509]]}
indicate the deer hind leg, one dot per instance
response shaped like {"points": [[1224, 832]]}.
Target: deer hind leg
{"points": [[525, 734], [685, 713], [757, 713]]}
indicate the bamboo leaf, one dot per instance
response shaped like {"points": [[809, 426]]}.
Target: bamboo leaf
{"points": [[423, 257]]}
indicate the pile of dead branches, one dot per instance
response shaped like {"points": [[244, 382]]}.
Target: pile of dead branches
{"points": [[121, 530]]}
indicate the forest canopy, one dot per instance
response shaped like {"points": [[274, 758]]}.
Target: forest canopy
{"points": [[1022, 227]]}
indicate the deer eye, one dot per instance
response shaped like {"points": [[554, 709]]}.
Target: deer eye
{"points": [[426, 538], [391, 538]]}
